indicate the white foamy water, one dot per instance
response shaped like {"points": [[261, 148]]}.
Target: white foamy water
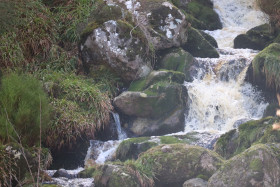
{"points": [[237, 17]]}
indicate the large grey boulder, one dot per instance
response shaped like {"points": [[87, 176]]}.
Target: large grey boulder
{"points": [[113, 45]]}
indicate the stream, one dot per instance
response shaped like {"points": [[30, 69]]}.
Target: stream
{"points": [[219, 99]]}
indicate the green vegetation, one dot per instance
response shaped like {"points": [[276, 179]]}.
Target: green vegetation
{"points": [[80, 109], [266, 65], [24, 109], [250, 133]]}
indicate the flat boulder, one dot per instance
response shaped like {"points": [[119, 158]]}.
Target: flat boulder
{"points": [[174, 164]]}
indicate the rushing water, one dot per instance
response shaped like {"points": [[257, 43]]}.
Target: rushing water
{"points": [[219, 99], [121, 133]]}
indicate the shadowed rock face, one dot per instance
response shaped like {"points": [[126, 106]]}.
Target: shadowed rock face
{"points": [[257, 166]]}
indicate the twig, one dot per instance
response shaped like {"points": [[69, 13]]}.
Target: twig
{"points": [[21, 147]]}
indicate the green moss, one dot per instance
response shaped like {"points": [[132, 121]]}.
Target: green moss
{"points": [[250, 133], [267, 65], [131, 148], [169, 140], [205, 14], [157, 78], [198, 46], [87, 173], [256, 165], [201, 176]]}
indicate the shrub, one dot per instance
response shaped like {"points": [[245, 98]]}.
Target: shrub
{"points": [[24, 107]]}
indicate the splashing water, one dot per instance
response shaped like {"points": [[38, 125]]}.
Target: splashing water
{"points": [[219, 99], [237, 17]]}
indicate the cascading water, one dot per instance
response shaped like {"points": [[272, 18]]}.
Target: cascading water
{"points": [[121, 133], [219, 99], [237, 16]]}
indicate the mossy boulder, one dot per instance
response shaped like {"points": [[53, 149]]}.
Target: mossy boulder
{"points": [[174, 164], [256, 38], [177, 60], [257, 166], [155, 105], [198, 46], [264, 71], [209, 38], [133, 147], [203, 11], [164, 24], [110, 175], [115, 45], [248, 134]]}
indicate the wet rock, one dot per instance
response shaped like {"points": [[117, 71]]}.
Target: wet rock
{"points": [[197, 182], [257, 166], [177, 60], [198, 46], [180, 163], [256, 38], [62, 173]]}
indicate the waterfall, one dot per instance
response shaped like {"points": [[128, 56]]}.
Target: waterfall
{"points": [[219, 99], [121, 133], [237, 16]]}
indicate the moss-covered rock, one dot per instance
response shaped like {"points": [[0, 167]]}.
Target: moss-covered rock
{"points": [[203, 11], [198, 46], [252, 132], [265, 68], [209, 38], [174, 164], [177, 60], [257, 166], [109, 175], [120, 46], [256, 38], [133, 147], [158, 108], [157, 76]]}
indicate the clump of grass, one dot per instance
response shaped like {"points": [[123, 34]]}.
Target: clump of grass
{"points": [[30, 36], [21, 97], [80, 109]]}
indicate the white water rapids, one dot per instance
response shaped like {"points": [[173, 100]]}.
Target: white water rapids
{"points": [[219, 99]]}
